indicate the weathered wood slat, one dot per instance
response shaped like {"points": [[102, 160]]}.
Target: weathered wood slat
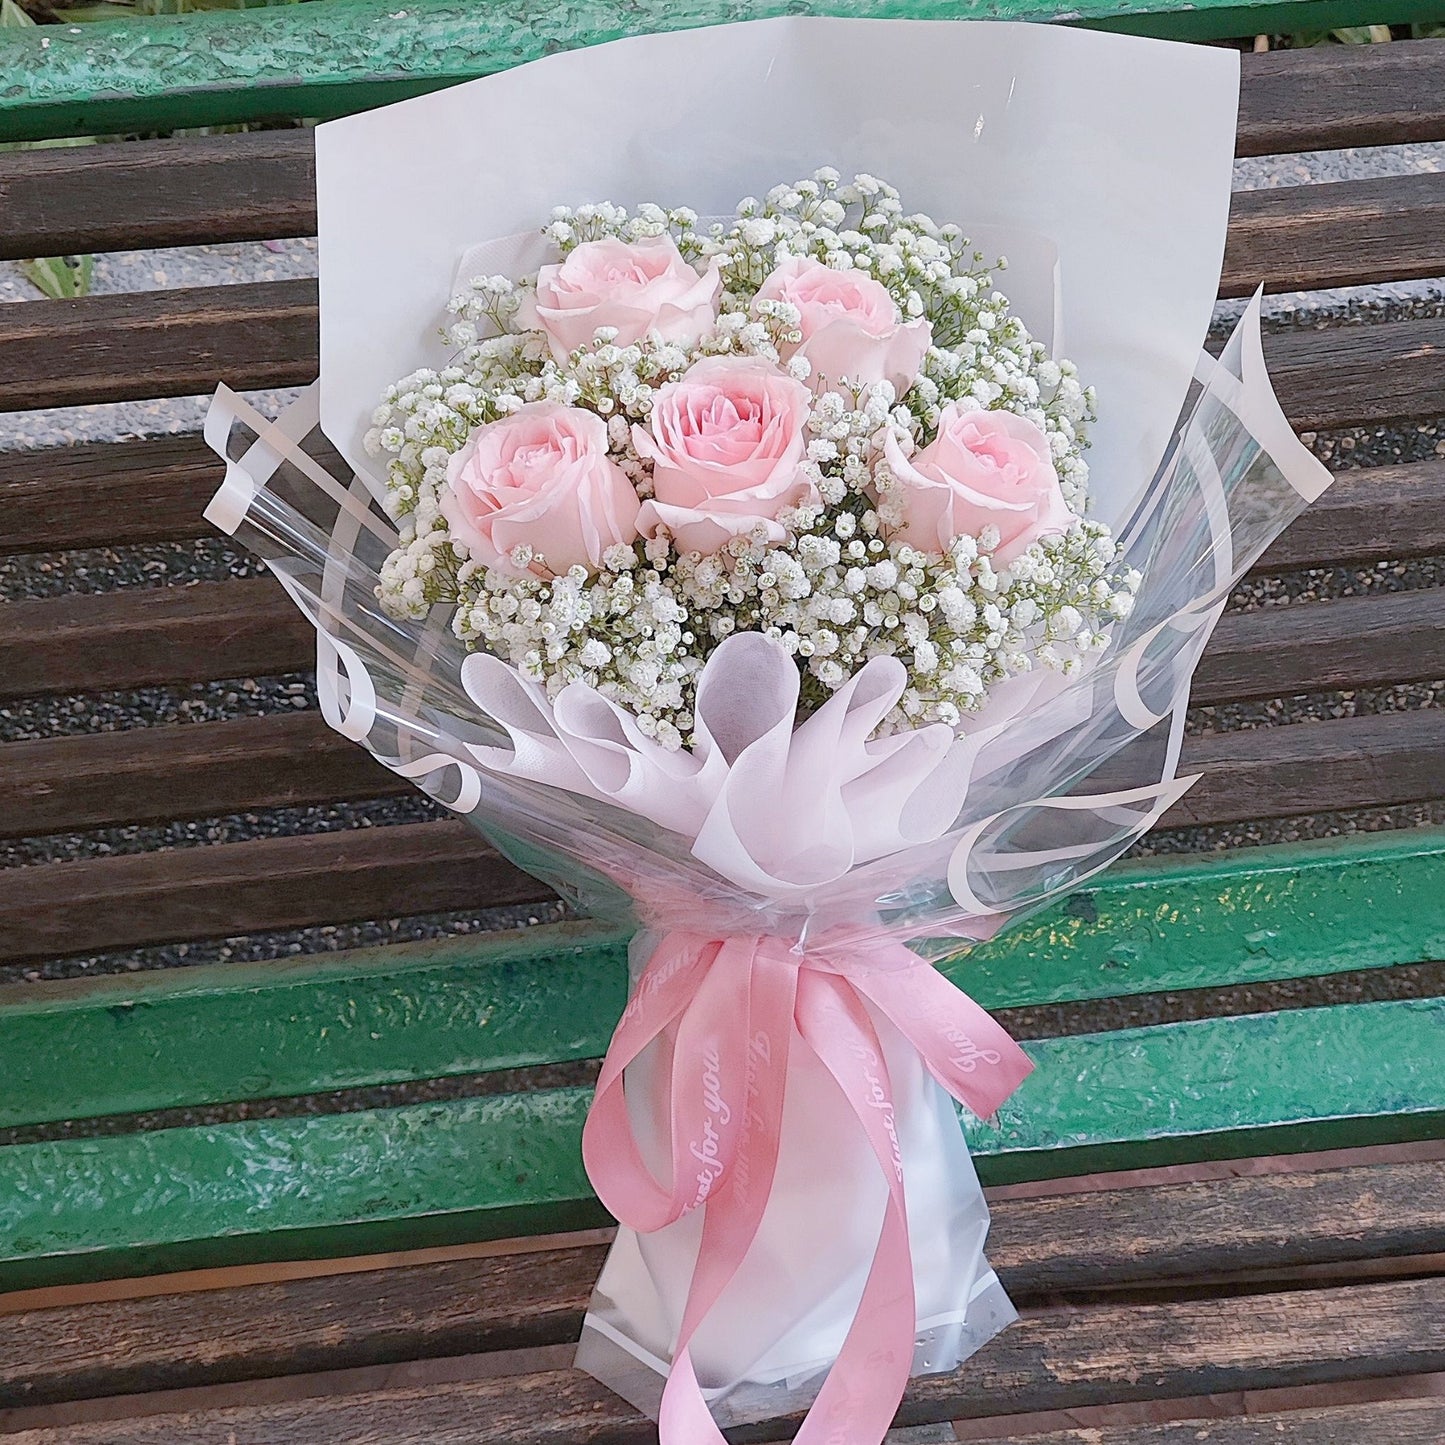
{"points": [[1056, 1359], [1286, 772], [1320, 646], [1039, 1247], [106, 494], [1401, 1422], [1347, 233], [494, 1165], [122, 1044], [253, 187], [176, 343], [184, 771], [148, 344], [147, 775], [142, 635], [213, 892], [221, 890], [1326, 99], [1358, 375], [262, 185], [136, 637], [1369, 514]]}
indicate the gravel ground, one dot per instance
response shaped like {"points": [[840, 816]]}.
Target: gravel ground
{"points": [[211, 559]]}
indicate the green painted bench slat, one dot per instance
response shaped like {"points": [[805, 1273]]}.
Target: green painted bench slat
{"points": [[489, 1167], [126, 1044], [337, 56]]}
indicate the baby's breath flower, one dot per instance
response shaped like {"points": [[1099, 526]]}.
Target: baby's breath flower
{"points": [[838, 589]]}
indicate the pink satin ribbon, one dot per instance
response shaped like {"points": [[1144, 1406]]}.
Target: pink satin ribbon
{"points": [[727, 1012]]}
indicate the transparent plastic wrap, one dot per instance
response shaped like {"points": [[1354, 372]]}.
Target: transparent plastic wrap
{"points": [[774, 1125]]}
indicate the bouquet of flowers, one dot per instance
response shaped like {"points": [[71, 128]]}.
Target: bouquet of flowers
{"points": [[819, 422], [768, 578]]}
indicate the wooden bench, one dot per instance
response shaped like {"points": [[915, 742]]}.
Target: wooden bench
{"points": [[255, 1120]]}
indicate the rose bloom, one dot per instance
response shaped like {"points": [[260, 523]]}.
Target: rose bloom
{"points": [[726, 445], [540, 477], [984, 468], [850, 326], [635, 287]]}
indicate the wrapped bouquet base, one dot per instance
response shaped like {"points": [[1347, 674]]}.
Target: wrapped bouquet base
{"points": [[815, 1077], [847, 657]]}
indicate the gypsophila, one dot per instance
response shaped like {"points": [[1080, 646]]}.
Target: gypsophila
{"points": [[866, 406]]}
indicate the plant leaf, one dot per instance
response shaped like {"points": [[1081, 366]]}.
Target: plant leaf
{"points": [[57, 278], [1361, 34], [12, 17]]}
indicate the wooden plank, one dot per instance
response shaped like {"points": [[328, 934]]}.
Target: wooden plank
{"points": [[133, 899], [496, 1165], [1401, 1422], [139, 636], [177, 343], [1056, 1359], [1319, 646], [106, 494], [218, 891], [253, 187], [1375, 761], [1040, 1247], [135, 637], [262, 185], [1347, 233], [194, 1037], [1358, 375], [1369, 514], [186, 1038], [148, 775], [186, 770], [145, 75], [167, 343], [1327, 99], [1219, 1088]]}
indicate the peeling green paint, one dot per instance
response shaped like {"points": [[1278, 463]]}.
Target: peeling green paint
{"points": [[1223, 1088], [483, 1168], [333, 57], [212, 1035]]}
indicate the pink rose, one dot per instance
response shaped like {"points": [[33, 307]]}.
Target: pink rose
{"points": [[850, 326], [726, 446], [541, 477], [639, 287], [984, 468]]}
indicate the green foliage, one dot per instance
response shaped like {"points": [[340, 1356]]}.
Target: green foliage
{"points": [[62, 278], [128, 9], [1344, 34], [59, 277]]}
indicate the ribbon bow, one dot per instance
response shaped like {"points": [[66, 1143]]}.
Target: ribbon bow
{"points": [[733, 1009]]}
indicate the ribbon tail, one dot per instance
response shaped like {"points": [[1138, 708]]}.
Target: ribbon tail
{"points": [[733, 1216], [673, 984], [861, 1395]]}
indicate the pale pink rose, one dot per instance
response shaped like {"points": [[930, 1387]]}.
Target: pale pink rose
{"points": [[984, 468], [541, 477], [850, 326], [636, 287], [726, 446]]}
